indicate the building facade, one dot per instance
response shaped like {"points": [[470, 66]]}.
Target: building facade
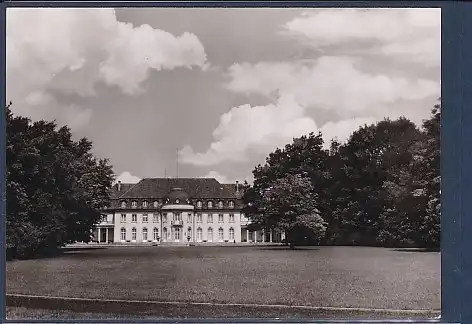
{"points": [[177, 211]]}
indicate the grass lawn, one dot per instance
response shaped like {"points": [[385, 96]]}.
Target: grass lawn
{"points": [[322, 276]]}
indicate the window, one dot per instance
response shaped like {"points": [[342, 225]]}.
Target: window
{"points": [[210, 234], [177, 234], [220, 204], [123, 204], [134, 204], [145, 218], [220, 218], [231, 234], [210, 204], [231, 204], [123, 234], [199, 218], [123, 218], [199, 234], [210, 218], [164, 218], [155, 234], [145, 234], [189, 232], [189, 218], [199, 204], [178, 216], [164, 234], [155, 218], [155, 204], [231, 218], [145, 204], [133, 234], [220, 234], [134, 218]]}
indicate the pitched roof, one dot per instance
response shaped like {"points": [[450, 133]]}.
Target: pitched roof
{"points": [[161, 187]]}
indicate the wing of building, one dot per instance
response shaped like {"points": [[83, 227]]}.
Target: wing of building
{"points": [[179, 211]]}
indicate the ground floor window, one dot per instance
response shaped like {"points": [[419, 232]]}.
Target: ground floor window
{"points": [[199, 234], [145, 236], [177, 233], [220, 234], [155, 234], [123, 234], [164, 234], [133, 234], [210, 234], [231, 234]]}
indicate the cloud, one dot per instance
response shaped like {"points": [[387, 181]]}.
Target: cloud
{"points": [[72, 50], [343, 129], [329, 82], [127, 177], [247, 129], [405, 34]]}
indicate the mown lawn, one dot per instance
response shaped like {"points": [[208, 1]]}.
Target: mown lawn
{"points": [[322, 276]]}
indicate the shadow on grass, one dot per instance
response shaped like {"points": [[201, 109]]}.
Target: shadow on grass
{"points": [[54, 253], [417, 250]]}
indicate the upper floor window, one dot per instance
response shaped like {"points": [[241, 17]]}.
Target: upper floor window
{"points": [[123, 218], [123, 204], [145, 218], [231, 204], [220, 218], [210, 218], [145, 204], [177, 216], [199, 218], [199, 204], [189, 218], [134, 204], [164, 218], [231, 218], [134, 218], [155, 204], [220, 204], [210, 204], [155, 218]]}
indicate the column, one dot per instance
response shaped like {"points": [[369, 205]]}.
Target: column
{"points": [[270, 236], [263, 236], [106, 234], [99, 234], [247, 236]]}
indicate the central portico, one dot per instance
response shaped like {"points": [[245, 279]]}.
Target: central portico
{"points": [[177, 206]]}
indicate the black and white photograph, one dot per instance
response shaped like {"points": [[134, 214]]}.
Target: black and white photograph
{"points": [[223, 163]]}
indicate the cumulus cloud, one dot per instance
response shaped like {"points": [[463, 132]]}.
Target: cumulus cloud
{"points": [[245, 129], [412, 34], [224, 179], [71, 50], [127, 177], [330, 82]]}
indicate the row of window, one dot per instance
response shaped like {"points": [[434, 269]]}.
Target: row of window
{"points": [[177, 217], [156, 204], [176, 234]]}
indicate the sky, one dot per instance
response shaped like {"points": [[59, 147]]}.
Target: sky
{"points": [[211, 92]]}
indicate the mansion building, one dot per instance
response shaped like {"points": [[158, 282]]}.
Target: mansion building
{"points": [[179, 211]]}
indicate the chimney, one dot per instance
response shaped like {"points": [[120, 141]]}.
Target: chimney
{"points": [[237, 186], [119, 185]]}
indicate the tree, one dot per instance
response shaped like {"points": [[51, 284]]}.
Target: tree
{"points": [[290, 205], [55, 187]]}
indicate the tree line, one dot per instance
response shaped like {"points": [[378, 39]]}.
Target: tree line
{"points": [[55, 187], [379, 188]]}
